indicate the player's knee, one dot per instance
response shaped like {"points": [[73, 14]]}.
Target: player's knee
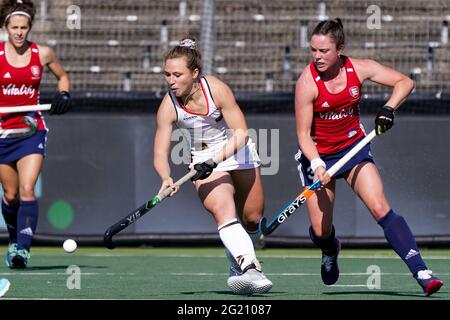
{"points": [[378, 210], [250, 220], [220, 208], [26, 192]]}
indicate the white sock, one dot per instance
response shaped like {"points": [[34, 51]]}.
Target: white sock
{"points": [[238, 242]]}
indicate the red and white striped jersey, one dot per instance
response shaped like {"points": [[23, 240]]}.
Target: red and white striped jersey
{"points": [[20, 87], [336, 119]]}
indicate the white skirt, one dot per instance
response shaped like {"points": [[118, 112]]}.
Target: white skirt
{"points": [[246, 158]]}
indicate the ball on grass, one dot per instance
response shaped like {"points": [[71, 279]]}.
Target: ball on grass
{"points": [[69, 246]]}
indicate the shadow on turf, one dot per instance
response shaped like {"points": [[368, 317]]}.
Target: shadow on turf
{"points": [[62, 267], [277, 293], [229, 293], [384, 293]]}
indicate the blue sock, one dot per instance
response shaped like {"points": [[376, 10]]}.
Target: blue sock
{"points": [[27, 218], [9, 212], [327, 245], [401, 239]]}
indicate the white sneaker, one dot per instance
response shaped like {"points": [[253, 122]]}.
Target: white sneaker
{"points": [[4, 286], [250, 281]]}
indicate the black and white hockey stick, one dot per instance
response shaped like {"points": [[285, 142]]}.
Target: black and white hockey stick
{"points": [[139, 212]]}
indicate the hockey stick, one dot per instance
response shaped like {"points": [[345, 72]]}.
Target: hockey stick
{"points": [[23, 132], [139, 212], [302, 197], [39, 107]]}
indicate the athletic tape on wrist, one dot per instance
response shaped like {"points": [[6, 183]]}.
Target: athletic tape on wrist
{"points": [[317, 162]]}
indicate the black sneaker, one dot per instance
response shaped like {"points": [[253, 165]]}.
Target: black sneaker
{"points": [[20, 260], [329, 269], [12, 252]]}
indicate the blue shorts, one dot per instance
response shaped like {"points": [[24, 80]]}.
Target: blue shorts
{"points": [[13, 149], [304, 166]]}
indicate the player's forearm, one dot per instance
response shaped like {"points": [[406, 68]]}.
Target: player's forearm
{"points": [[64, 83], [307, 146], [400, 92], [235, 143], [162, 167]]}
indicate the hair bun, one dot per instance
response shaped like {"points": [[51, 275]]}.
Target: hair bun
{"points": [[188, 43]]}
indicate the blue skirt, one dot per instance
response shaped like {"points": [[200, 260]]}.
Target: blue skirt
{"points": [[13, 149], [304, 166]]}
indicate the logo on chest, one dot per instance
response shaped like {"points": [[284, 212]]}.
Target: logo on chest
{"points": [[354, 91], [325, 105], [189, 117], [36, 72]]}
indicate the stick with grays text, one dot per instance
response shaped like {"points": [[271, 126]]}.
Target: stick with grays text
{"points": [[302, 197]]}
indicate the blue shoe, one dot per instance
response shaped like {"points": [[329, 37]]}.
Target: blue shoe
{"points": [[4, 286], [12, 252], [429, 283], [329, 269], [20, 260]]}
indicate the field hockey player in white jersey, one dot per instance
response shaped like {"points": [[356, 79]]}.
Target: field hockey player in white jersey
{"points": [[228, 179]]}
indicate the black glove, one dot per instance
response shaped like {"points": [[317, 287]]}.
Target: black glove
{"points": [[204, 169], [61, 103], [384, 119]]}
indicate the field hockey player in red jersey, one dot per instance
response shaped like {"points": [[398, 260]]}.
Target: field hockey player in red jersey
{"points": [[327, 99], [22, 146]]}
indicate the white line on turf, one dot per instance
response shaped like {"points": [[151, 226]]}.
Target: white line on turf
{"points": [[296, 274], [269, 256], [63, 274], [348, 285]]}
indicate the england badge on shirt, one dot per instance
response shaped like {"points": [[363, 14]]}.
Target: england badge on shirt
{"points": [[35, 71], [354, 91]]}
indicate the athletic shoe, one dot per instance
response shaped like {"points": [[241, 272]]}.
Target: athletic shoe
{"points": [[329, 269], [235, 271], [250, 281], [20, 260], [12, 252], [4, 286], [429, 283]]}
